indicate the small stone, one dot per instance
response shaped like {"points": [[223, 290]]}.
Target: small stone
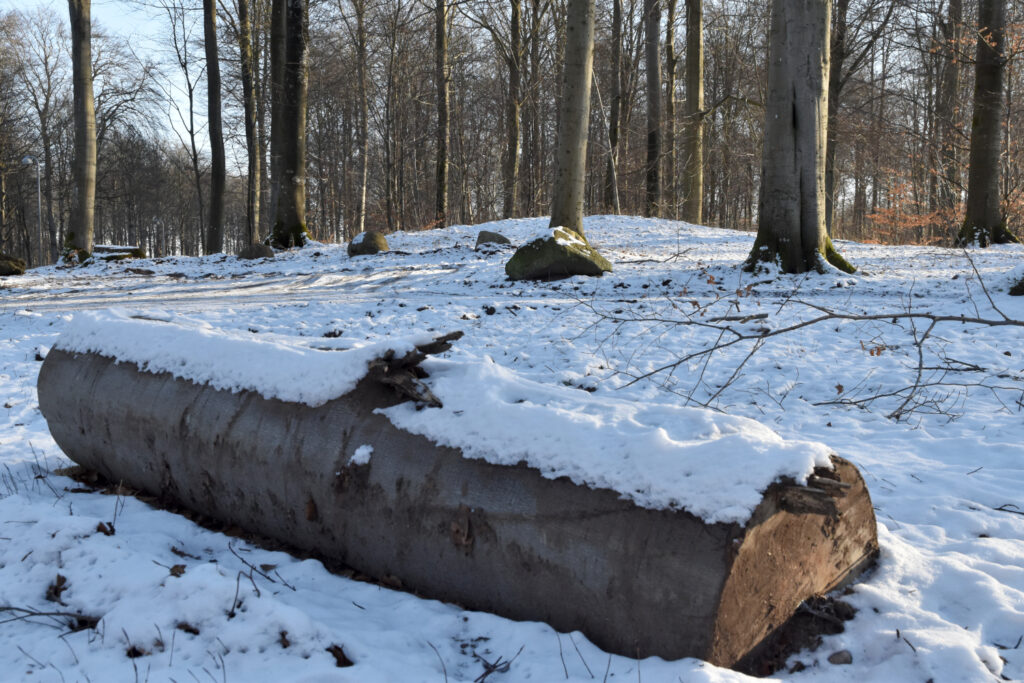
{"points": [[841, 657], [10, 265], [561, 254], [255, 251], [488, 237], [367, 243]]}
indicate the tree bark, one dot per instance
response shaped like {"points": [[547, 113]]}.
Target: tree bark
{"points": [[441, 76], [948, 193], [985, 223], [791, 229], [278, 41], [671, 182], [364, 115], [611, 189], [837, 56], [252, 187], [693, 133], [510, 170], [83, 199], [290, 219], [652, 34], [574, 117], [218, 172]]}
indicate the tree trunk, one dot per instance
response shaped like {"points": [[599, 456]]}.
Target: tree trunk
{"points": [[693, 142], [278, 41], [290, 219], [671, 183], [441, 76], [252, 187], [985, 222], [611, 189], [791, 228], [836, 59], [510, 170], [948, 193], [83, 198], [215, 228], [574, 117], [364, 115], [652, 34]]}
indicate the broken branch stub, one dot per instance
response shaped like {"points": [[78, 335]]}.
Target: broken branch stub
{"points": [[498, 538]]}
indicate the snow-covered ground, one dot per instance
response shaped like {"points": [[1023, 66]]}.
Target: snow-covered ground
{"points": [[944, 462]]}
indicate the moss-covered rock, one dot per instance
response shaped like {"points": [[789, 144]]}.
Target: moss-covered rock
{"points": [[367, 243], [255, 251], [488, 237], [10, 265], [559, 254]]}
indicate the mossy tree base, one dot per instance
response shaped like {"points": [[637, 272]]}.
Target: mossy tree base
{"points": [[983, 237], [768, 250], [286, 238]]}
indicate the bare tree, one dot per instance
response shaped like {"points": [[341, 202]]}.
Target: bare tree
{"points": [[246, 57], [290, 218], [985, 223], [693, 132], [791, 228], [215, 229], [441, 76], [652, 64], [79, 238], [574, 117]]}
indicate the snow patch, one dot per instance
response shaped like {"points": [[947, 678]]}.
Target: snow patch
{"points": [[660, 456], [362, 455], [274, 366]]}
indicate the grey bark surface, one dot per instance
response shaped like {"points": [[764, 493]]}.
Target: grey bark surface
{"points": [[574, 117], [252, 186], [671, 178], [83, 198], [510, 163], [652, 66], [611, 191], [218, 171], [693, 130], [443, 134], [290, 219], [364, 115], [791, 228], [503, 539], [984, 222]]}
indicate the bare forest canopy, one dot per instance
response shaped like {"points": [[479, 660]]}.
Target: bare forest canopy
{"points": [[901, 115]]}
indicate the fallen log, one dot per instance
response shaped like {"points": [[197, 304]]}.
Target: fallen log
{"points": [[339, 479]]}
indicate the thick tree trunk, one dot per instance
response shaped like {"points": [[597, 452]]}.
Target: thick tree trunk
{"points": [[252, 188], [693, 133], [83, 198], [652, 63], [290, 220], [510, 169], [611, 190], [441, 77], [985, 223], [215, 228], [791, 228], [574, 117]]}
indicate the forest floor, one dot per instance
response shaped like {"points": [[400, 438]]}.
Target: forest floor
{"points": [[932, 416]]}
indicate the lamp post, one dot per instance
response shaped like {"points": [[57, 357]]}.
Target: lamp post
{"points": [[32, 159]]}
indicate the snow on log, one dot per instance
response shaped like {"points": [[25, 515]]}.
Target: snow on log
{"points": [[337, 477]]}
